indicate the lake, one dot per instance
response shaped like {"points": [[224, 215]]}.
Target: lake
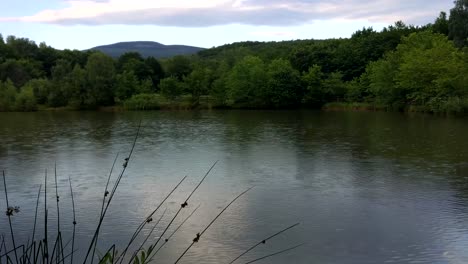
{"points": [[365, 187]]}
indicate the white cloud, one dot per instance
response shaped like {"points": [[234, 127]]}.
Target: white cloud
{"points": [[201, 13]]}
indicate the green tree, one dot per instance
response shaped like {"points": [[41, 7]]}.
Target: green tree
{"points": [[246, 83], [424, 71], [156, 71], [334, 88], [218, 90], [60, 91], [100, 73], [25, 100], [127, 57], [126, 85], [145, 86], [2, 49], [312, 80], [284, 87], [48, 57], [138, 67], [458, 21], [429, 67], [441, 25], [79, 89], [22, 48], [41, 89], [7, 96], [178, 66], [20, 71], [198, 83], [171, 87]]}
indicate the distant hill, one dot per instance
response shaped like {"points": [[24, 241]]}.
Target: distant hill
{"points": [[147, 49]]}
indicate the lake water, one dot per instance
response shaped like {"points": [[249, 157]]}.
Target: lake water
{"points": [[365, 187]]}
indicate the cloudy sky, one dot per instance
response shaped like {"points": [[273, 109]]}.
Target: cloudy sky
{"points": [[81, 24]]}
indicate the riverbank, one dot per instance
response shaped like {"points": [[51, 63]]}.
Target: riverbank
{"points": [[343, 106], [155, 102]]}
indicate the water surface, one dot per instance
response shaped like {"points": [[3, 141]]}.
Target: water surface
{"points": [[366, 187]]}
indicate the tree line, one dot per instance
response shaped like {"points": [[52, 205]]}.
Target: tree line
{"points": [[402, 67]]}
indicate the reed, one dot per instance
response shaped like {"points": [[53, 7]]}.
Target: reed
{"points": [[38, 250]]}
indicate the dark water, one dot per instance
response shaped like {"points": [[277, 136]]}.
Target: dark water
{"points": [[366, 187]]}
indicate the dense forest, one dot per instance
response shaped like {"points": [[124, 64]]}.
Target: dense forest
{"points": [[400, 68]]}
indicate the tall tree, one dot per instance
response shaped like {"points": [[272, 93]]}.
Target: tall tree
{"points": [[246, 83], [284, 88], [458, 23], [198, 83], [126, 57], [7, 96], [441, 24], [100, 73], [178, 66], [126, 85], [20, 71], [60, 91], [156, 71], [47, 56]]}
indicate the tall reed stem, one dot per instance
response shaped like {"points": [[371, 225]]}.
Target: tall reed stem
{"points": [[199, 235], [9, 216]]}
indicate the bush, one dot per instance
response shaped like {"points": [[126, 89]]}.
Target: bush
{"points": [[7, 96], [144, 102], [25, 100]]}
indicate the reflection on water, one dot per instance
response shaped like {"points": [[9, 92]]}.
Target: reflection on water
{"points": [[366, 187]]}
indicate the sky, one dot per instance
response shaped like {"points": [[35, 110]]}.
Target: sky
{"points": [[82, 24]]}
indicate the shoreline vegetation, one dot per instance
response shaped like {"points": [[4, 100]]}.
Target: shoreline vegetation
{"points": [[400, 68]]}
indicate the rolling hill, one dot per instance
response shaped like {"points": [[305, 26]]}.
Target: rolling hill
{"points": [[147, 49]]}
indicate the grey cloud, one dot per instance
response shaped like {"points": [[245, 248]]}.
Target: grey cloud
{"points": [[274, 13]]}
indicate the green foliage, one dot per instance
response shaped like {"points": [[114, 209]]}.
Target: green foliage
{"points": [[246, 83], [144, 102], [78, 89], [48, 57], [100, 73], [458, 21], [25, 100], [20, 71], [334, 88], [198, 83], [312, 80], [41, 89], [60, 91], [7, 96], [424, 70], [401, 67], [171, 87], [441, 24], [178, 66], [144, 255], [156, 71], [126, 85], [284, 88], [21, 48]]}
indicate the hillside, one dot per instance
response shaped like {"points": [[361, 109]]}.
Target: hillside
{"points": [[147, 49]]}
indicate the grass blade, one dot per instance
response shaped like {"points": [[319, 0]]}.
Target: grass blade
{"points": [[142, 225], [172, 234], [93, 244], [184, 204], [263, 242], [274, 254], [9, 217], [74, 220], [198, 236]]}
